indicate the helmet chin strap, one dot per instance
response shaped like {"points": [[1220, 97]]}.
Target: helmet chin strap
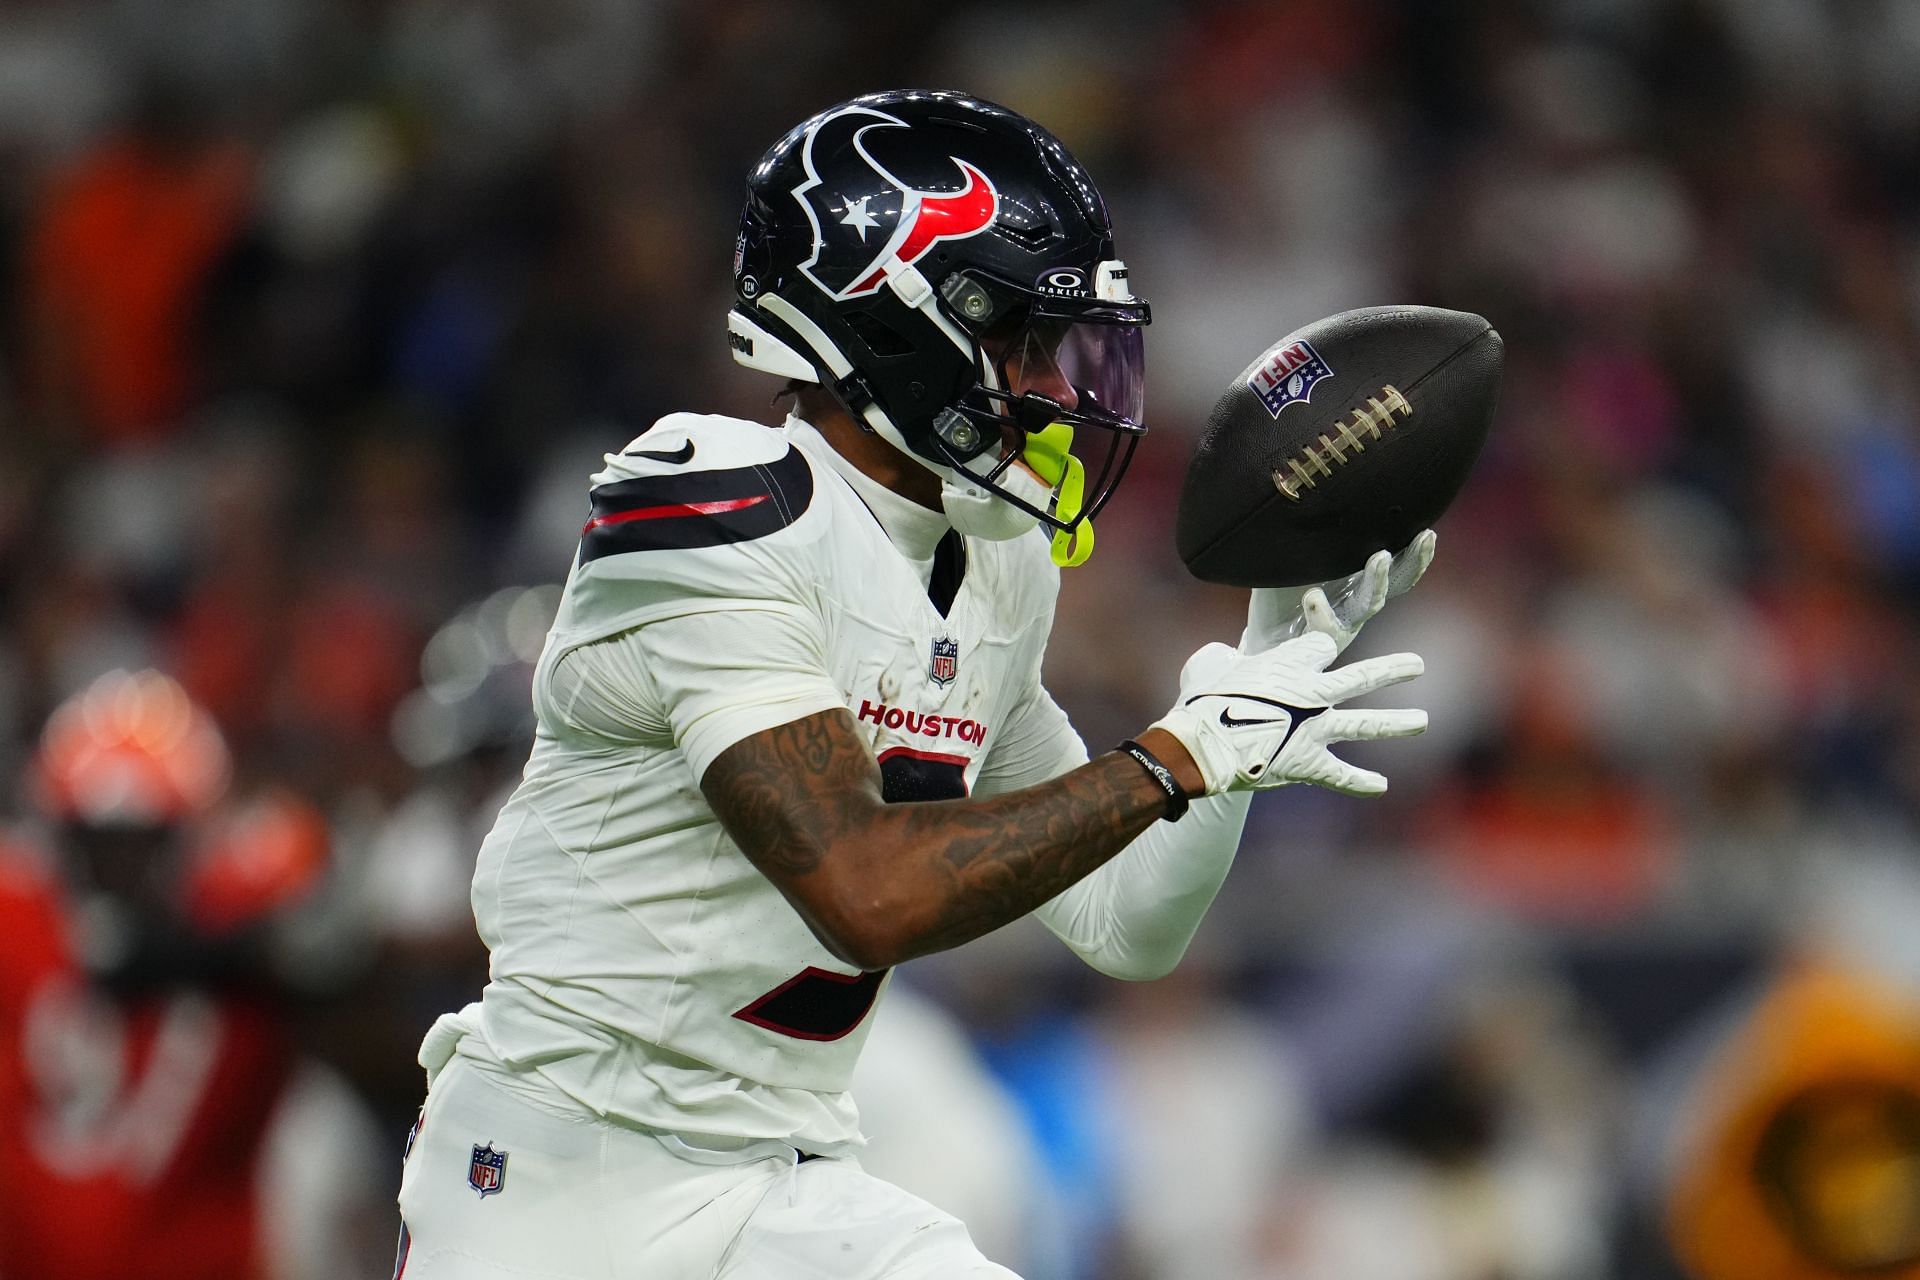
{"points": [[981, 513], [1046, 476]]}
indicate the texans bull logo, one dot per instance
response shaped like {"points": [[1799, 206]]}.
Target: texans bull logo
{"points": [[863, 215]]}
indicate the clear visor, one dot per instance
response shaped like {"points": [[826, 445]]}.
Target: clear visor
{"points": [[1061, 396], [1095, 368]]}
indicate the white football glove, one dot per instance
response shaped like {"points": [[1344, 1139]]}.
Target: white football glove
{"points": [[1338, 608], [1267, 719]]}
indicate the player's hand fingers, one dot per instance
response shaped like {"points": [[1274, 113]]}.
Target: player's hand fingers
{"points": [[1410, 565], [1335, 774], [1369, 675], [1367, 724], [1206, 665], [1371, 591], [1317, 614], [1314, 649]]}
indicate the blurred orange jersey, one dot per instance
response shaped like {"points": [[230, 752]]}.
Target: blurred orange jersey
{"points": [[130, 1130]]}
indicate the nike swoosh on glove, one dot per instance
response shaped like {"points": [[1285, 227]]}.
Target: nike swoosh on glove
{"points": [[1338, 608], [1267, 719]]}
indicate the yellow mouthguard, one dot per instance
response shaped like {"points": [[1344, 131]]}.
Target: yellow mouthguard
{"points": [[1049, 453]]}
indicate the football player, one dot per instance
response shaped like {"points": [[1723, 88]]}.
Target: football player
{"points": [[148, 1051], [791, 729]]}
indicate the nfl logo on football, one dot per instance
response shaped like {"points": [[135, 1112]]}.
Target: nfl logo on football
{"points": [[487, 1172], [946, 661], [1288, 376]]}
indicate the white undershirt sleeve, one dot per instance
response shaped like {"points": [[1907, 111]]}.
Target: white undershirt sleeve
{"points": [[1134, 917], [704, 680]]}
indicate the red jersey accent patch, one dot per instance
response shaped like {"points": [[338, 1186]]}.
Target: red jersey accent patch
{"points": [[672, 509]]}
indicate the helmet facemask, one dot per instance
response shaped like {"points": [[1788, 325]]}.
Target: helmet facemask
{"points": [[1051, 373]]}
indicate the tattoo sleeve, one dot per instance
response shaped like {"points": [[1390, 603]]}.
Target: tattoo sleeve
{"points": [[882, 883]]}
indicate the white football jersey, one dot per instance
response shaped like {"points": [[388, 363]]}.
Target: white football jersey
{"points": [[641, 966]]}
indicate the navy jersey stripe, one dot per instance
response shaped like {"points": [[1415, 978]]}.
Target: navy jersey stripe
{"points": [[816, 1004], [697, 508]]}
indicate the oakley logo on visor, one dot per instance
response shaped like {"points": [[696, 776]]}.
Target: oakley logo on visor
{"points": [[1063, 282]]}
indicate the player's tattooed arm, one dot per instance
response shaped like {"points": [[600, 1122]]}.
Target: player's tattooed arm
{"points": [[881, 883]]}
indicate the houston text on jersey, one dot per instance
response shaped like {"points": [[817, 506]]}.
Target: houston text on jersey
{"points": [[933, 726]]}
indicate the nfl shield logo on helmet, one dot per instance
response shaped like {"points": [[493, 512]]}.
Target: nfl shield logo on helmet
{"points": [[487, 1172], [1288, 376], [946, 661]]}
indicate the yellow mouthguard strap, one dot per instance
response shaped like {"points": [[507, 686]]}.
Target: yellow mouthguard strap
{"points": [[1049, 453]]}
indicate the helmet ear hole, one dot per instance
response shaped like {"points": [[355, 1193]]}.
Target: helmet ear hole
{"points": [[881, 338]]}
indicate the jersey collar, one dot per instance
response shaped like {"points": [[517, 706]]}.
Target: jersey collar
{"points": [[913, 529]]}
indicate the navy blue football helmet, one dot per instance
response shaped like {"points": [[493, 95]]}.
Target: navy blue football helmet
{"points": [[946, 269]]}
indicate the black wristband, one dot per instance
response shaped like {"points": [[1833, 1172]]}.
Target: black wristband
{"points": [[1176, 794]]}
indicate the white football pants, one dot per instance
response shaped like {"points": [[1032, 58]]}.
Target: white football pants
{"points": [[578, 1199]]}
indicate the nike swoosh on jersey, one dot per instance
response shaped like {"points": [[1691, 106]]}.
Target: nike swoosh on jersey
{"points": [[683, 454]]}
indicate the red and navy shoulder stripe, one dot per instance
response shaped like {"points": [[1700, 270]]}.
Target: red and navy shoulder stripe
{"points": [[697, 508]]}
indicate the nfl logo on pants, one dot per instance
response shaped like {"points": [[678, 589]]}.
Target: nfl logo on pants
{"points": [[487, 1172]]}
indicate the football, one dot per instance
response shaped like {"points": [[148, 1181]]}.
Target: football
{"points": [[1344, 438]]}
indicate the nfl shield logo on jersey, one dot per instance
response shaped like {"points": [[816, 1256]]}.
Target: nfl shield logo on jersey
{"points": [[946, 661], [487, 1173]]}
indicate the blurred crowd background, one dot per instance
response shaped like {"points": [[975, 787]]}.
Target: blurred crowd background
{"points": [[315, 316]]}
